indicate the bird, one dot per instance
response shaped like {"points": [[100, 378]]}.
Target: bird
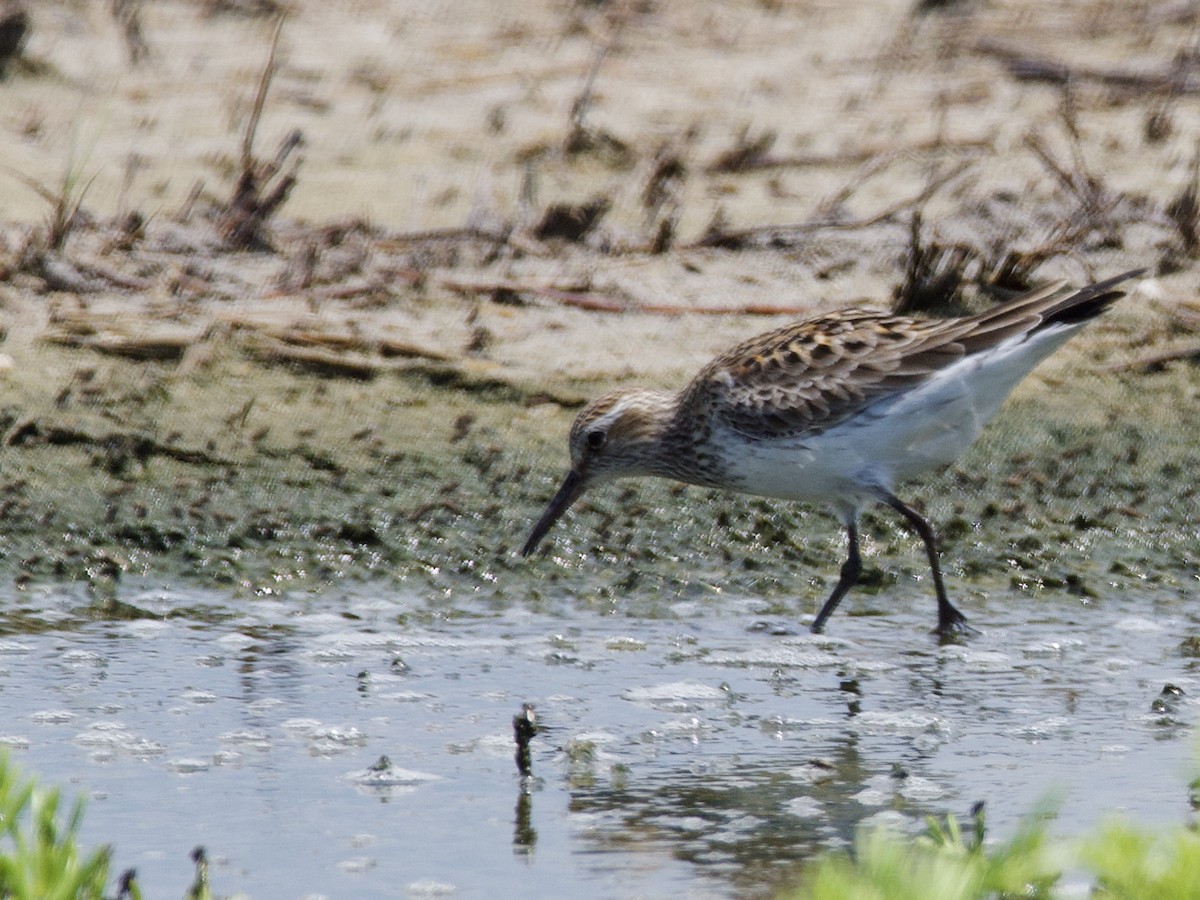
{"points": [[836, 409]]}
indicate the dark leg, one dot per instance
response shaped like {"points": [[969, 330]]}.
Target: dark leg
{"points": [[851, 569], [950, 620]]}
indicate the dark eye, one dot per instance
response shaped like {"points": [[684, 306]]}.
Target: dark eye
{"points": [[595, 439]]}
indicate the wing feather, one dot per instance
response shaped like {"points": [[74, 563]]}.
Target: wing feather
{"points": [[809, 376]]}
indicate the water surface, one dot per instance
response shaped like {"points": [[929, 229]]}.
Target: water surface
{"points": [[699, 753]]}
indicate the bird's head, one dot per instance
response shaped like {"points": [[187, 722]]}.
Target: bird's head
{"points": [[616, 436]]}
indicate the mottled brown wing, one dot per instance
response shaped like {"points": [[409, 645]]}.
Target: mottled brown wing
{"points": [[807, 377]]}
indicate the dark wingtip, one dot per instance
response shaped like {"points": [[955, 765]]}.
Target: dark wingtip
{"points": [[1091, 301]]}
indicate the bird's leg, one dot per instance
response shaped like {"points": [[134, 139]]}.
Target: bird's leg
{"points": [[950, 620], [851, 569]]}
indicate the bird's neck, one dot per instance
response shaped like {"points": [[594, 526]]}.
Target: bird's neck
{"points": [[682, 450]]}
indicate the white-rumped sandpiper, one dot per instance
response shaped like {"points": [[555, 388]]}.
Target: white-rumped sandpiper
{"points": [[838, 408]]}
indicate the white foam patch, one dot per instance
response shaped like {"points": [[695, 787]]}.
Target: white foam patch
{"points": [[675, 692]]}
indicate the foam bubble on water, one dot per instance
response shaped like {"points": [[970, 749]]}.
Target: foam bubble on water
{"points": [[408, 697], [783, 654], [194, 695], [265, 705], [430, 887], [676, 693], [113, 737], [249, 739], [147, 628], [1044, 728], [325, 740], [1049, 649], [52, 717], [104, 734], [236, 641], [987, 661], [391, 776], [1138, 624], [331, 655], [82, 658], [887, 818], [813, 772], [889, 722], [873, 796], [188, 766], [805, 807], [922, 790]]}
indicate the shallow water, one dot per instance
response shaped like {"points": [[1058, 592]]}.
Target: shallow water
{"points": [[697, 754]]}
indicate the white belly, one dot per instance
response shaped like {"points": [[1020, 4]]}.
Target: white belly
{"points": [[896, 438]]}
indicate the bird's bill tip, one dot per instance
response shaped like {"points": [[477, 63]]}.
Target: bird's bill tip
{"points": [[570, 491]]}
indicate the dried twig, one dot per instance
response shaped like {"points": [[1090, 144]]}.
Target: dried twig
{"points": [[746, 153], [761, 159], [571, 222], [242, 221], [1024, 67], [65, 204], [14, 29], [1155, 362], [594, 301], [128, 14], [1009, 270], [1184, 210], [934, 275], [790, 235], [260, 98], [1096, 202], [583, 138]]}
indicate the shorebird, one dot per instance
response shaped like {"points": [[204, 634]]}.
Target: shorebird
{"points": [[835, 409]]}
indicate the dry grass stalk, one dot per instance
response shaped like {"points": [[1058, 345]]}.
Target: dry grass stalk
{"points": [[571, 222], [251, 9], [262, 187], [14, 29], [934, 275], [746, 153], [66, 204], [1184, 210], [128, 15], [828, 215], [1024, 67], [662, 191]]}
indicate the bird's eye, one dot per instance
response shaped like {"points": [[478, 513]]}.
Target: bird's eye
{"points": [[595, 439]]}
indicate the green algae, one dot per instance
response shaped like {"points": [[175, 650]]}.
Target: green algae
{"points": [[266, 481]]}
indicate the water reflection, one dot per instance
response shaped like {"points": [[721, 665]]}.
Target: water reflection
{"points": [[524, 834], [316, 753]]}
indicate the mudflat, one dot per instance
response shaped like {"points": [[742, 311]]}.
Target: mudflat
{"points": [[288, 300]]}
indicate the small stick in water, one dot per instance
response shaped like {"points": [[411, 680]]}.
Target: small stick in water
{"points": [[524, 728]]}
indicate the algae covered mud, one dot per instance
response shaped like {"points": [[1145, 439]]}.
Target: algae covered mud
{"points": [[264, 476], [281, 614]]}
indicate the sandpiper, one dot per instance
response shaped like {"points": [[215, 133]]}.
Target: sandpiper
{"points": [[838, 408]]}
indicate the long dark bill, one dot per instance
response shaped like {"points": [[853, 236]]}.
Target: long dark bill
{"points": [[571, 488]]}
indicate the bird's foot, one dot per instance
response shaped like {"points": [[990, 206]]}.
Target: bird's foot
{"points": [[952, 625]]}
